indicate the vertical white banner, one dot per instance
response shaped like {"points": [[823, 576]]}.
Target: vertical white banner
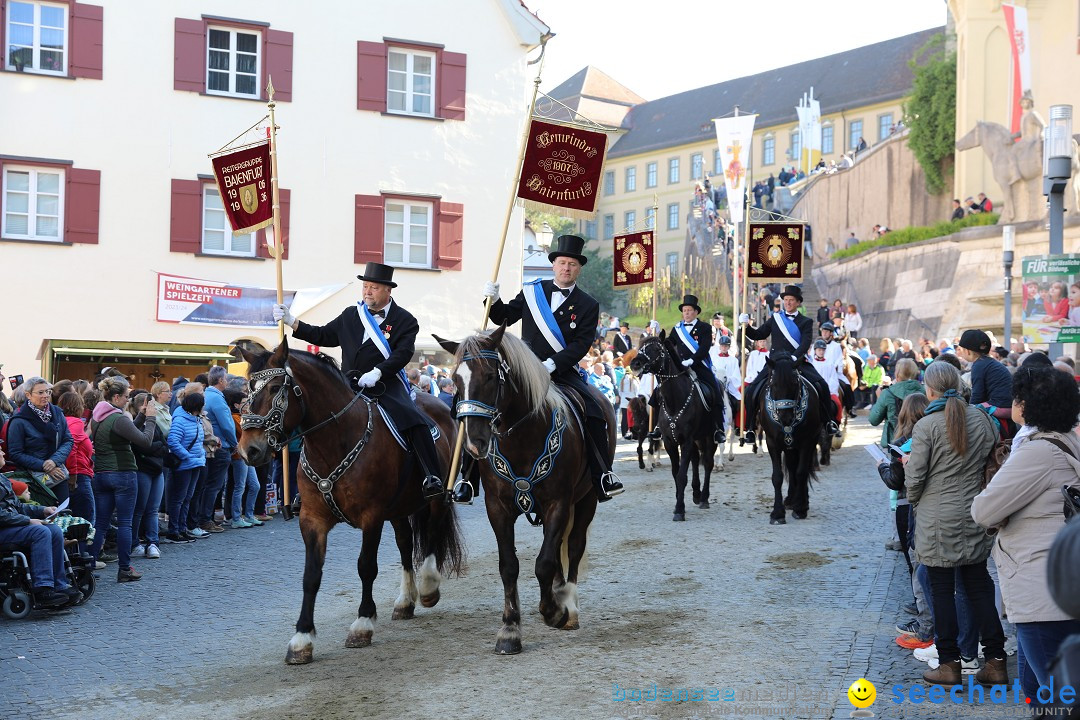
{"points": [[1016, 24], [735, 136]]}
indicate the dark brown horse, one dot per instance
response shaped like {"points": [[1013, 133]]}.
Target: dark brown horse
{"points": [[354, 471], [528, 441], [686, 423], [639, 411]]}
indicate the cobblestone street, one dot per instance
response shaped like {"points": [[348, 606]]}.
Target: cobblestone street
{"points": [[780, 619]]}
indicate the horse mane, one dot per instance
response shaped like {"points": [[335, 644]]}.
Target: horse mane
{"points": [[260, 359], [529, 376]]}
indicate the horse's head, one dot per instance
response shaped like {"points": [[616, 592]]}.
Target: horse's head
{"points": [[269, 417], [650, 356], [480, 377]]}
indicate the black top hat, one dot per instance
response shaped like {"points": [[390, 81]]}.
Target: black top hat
{"points": [[690, 300], [378, 273], [793, 290], [569, 246]]}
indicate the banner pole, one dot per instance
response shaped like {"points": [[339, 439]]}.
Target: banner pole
{"points": [[455, 461], [276, 251]]}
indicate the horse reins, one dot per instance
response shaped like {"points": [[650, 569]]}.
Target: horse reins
{"points": [[475, 408], [798, 405], [673, 419]]}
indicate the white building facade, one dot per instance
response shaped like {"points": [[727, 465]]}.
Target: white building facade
{"points": [[399, 128]]}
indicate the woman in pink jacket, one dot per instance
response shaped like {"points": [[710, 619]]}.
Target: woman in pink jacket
{"points": [[80, 462]]}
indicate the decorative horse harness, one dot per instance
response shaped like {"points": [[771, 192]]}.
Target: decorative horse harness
{"points": [[523, 484], [798, 404], [272, 424], [673, 419]]}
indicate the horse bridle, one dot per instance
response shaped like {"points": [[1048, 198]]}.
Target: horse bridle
{"points": [[475, 408], [659, 359], [798, 405]]}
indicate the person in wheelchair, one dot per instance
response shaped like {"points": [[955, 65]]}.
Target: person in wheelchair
{"points": [[24, 525]]}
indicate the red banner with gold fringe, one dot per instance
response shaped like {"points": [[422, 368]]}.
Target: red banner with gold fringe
{"points": [[775, 252], [243, 179], [562, 168], [633, 260]]}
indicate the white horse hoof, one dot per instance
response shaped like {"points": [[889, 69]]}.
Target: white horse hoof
{"points": [[360, 633], [301, 649]]}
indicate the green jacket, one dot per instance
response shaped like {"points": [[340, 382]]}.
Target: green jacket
{"points": [[886, 408], [873, 376]]}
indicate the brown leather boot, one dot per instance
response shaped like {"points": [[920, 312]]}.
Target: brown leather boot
{"points": [[993, 672], [947, 674]]}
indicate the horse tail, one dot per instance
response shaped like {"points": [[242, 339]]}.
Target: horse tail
{"points": [[564, 555], [446, 542]]}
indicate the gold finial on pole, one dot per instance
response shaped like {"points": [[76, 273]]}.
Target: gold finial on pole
{"points": [[275, 247]]}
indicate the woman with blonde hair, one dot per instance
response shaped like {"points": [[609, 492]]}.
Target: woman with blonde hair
{"points": [[949, 448]]}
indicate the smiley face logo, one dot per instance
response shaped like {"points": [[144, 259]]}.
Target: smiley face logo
{"points": [[862, 693]]}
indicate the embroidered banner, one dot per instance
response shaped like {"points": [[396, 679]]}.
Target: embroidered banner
{"points": [[734, 136], [562, 168], [633, 260], [775, 252], [243, 179]]}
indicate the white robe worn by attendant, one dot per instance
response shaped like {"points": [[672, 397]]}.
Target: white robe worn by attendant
{"points": [[727, 372]]}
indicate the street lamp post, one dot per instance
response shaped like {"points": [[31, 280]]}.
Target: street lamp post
{"points": [[1008, 245], [1057, 168]]}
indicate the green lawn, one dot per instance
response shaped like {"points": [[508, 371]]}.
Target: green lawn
{"points": [[905, 236]]}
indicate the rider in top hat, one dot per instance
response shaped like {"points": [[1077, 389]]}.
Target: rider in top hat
{"points": [[693, 340], [623, 342], [791, 333], [558, 323], [377, 338]]}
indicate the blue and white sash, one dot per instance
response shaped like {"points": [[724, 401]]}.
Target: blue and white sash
{"points": [[374, 334], [540, 308], [790, 330], [689, 341]]}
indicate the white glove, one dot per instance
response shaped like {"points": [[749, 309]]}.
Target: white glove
{"points": [[549, 364], [687, 363], [744, 319], [281, 313], [369, 378], [491, 290]]}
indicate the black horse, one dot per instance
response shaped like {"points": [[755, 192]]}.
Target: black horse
{"points": [[789, 416], [686, 423], [639, 410], [529, 446]]}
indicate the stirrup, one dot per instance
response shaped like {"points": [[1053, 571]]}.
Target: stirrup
{"points": [[750, 437], [432, 486], [832, 428], [463, 492], [611, 484]]}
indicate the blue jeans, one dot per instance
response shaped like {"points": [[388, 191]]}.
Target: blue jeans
{"points": [[217, 469], [115, 490], [180, 490], [144, 523], [1036, 645], [82, 503], [244, 477], [46, 550]]}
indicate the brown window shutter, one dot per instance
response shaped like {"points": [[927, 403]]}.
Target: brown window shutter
{"points": [[279, 63], [185, 225], [87, 32], [189, 55], [370, 76], [368, 242], [452, 85], [82, 206], [448, 239], [260, 235]]}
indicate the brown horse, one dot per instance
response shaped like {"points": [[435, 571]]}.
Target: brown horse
{"points": [[528, 442], [354, 472]]}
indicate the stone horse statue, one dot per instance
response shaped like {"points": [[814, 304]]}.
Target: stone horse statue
{"points": [[1018, 169]]}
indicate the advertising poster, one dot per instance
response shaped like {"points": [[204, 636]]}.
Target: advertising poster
{"points": [[1051, 298], [211, 302]]}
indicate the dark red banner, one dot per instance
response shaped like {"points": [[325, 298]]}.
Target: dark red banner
{"points": [[775, 252], [243, 179], [562, 168], [634, 259]]}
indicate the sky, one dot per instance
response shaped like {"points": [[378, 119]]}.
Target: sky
{"points": [[659, 48]]}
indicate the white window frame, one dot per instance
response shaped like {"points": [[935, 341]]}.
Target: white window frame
{"points": [[209, 189], [609, 183], [650, 175], [697, 166], [233, 31], [406, 235], [650, 218], [673, 171], [410, 75], [630, 179], [609, 226], [717, 162], [768, 150], [36, 42], [828, 140], [630, 220], [31, 206], [796, 147], [884, 128], [672, 262], [853, 134], [673, 216]]}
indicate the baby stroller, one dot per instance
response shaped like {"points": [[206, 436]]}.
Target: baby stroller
{"points": [[16, 586]]}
